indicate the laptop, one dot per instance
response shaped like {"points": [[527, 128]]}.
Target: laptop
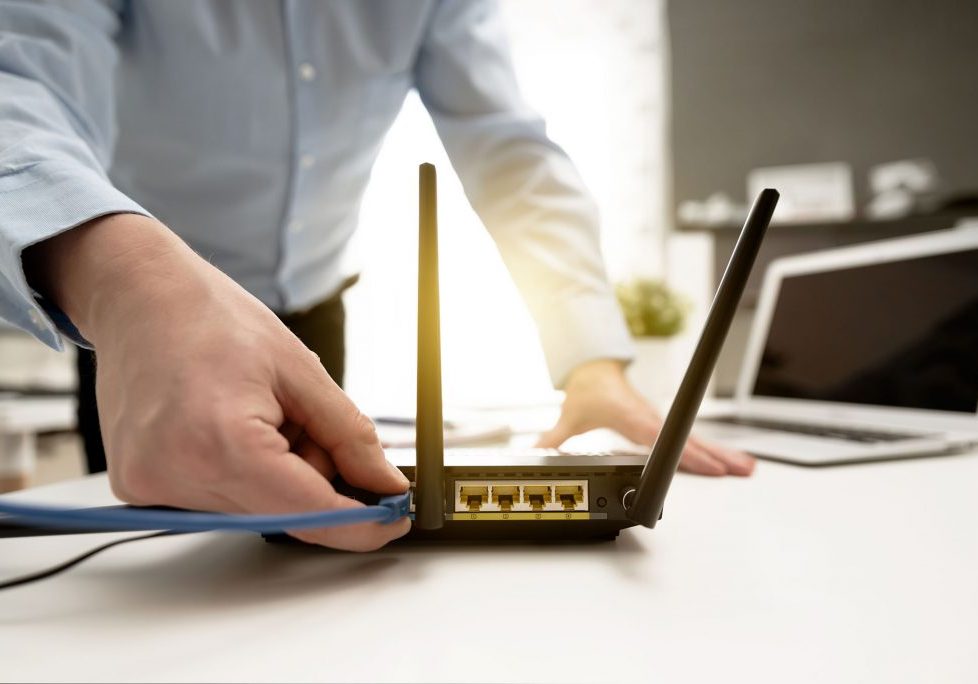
{"points": [[861, 353]]}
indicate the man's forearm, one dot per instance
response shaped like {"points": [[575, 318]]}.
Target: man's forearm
{"points": [[99, 268]]}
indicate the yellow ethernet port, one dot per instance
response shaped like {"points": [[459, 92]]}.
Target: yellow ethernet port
{"points": [[505, 496], [570, 496], [537, 496], [473, 497]]}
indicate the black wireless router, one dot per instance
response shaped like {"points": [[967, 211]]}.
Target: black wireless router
{"points": [[543, 494], [529, 494]]}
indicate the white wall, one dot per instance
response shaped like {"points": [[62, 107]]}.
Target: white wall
{"points": [[595, 70]]}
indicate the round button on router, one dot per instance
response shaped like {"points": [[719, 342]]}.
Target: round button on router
{"points": [[627, 498]]}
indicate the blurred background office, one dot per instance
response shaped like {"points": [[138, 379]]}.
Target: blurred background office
{"points": [[863, 112]]}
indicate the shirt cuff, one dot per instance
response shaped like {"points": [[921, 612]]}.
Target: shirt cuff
{"points": [[38, 202], [582, 328]]}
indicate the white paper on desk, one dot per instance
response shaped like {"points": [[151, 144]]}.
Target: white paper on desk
{"points": [[458, 434], [601, 440]]}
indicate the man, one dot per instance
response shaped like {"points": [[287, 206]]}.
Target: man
{"points": [[239, 137]]}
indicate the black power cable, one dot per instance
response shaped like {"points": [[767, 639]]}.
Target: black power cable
{"points": [[57, 569]]}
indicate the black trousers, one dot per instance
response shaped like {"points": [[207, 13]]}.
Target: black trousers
{"points": [[321, 328]]}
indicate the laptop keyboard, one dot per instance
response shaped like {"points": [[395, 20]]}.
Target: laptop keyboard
{"points": [[849, 434]]}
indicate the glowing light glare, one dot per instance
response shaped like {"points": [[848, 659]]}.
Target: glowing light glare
{"points": [[490, 351], [599, 78], [602, 103]]}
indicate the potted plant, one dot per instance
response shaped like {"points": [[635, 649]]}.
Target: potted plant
{"points": [[654, 314]]}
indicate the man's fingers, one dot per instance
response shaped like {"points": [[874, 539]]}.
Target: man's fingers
{"points": [[363, 537], [701, 462], [313, 454], [306, 448], [284, 483], [736, 462], [311, 399], [640, 427], [557, 435]]}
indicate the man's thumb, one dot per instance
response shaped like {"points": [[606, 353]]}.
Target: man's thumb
{"points": [[332, 420]]}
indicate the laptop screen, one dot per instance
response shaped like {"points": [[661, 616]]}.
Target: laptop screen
{"points": [[895, 334]]}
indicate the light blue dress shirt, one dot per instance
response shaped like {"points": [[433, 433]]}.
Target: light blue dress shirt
{"points": [[250, 128]]}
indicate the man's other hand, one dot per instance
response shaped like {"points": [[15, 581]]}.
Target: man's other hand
{"points": [[598, 395], [206, 400]]}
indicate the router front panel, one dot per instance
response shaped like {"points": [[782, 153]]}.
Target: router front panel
{"points": [[527, 502]]}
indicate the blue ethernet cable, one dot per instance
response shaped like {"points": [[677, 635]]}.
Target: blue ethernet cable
{"points": [[116, 518], [175, 521]]}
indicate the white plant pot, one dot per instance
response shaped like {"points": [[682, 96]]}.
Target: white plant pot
{"points": [[657, 369]]}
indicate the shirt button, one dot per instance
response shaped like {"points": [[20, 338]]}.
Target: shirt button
{"points": [[307, 72], [306, 161], [36, 318], [296, 227]]}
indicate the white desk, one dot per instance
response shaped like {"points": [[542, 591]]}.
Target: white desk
{"points": [[853, 574]]}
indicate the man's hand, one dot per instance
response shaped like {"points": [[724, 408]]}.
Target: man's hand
{"points": [[206, 400], [599, 396]]}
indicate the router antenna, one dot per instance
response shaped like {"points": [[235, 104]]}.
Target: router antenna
{"points": [[644, 505], [429, 488]]}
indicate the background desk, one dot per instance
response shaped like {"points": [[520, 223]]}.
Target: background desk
{"points": [[21, 420], [861, 573]]}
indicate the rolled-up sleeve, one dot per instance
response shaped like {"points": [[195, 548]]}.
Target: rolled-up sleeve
{"points": [[57, 62], [523, 186]]}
